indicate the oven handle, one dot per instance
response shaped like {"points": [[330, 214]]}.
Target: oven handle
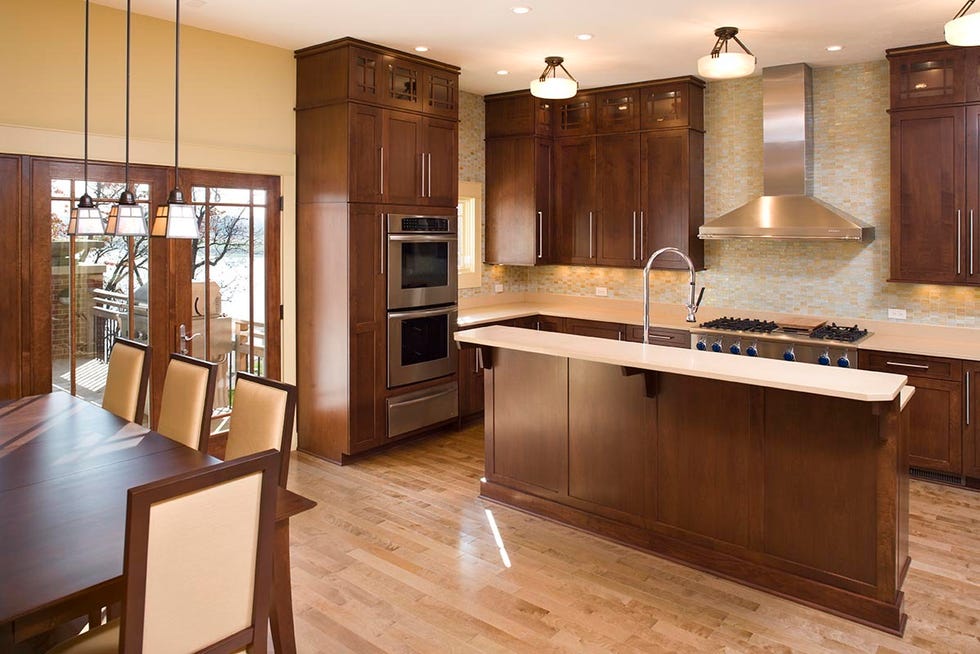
{"points": [[422, 237], [422, 313]]}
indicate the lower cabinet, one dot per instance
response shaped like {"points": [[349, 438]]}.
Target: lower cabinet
{"points": [[470, 382], [660, 336], [971, 435], [937, 418], [596, 329]]}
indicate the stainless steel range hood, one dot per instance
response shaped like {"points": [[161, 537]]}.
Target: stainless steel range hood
{"points": [[787, 210]]}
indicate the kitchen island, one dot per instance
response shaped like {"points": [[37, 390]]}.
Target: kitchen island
{"points": [[787, 477]]}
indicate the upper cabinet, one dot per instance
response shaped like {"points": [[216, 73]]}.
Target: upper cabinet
{"points": [[673, 103], [935, 165], [575, 116]]}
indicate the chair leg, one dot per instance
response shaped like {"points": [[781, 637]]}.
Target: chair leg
{"points": [[281, 607]]}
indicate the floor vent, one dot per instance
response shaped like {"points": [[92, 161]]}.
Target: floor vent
{"points": [[941, 477]]}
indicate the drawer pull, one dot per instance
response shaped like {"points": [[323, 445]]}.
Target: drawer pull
{"points": [[907, 365], [968, 398], [661, 337]]}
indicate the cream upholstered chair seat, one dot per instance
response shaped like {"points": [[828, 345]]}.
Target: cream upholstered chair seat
{"points": [[262, 419], [125, 385], [188, 394], [198, 564]]}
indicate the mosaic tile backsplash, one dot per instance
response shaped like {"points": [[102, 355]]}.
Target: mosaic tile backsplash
{"points": [[851, 171]]}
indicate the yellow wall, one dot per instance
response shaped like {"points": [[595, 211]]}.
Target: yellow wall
{"points": [[236, 101]]}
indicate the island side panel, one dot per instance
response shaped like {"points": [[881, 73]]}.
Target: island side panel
{"points": [[609, 440], [529, 422]]}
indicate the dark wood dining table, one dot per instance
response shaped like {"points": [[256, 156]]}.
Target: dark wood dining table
{"points": [[65, 468]]}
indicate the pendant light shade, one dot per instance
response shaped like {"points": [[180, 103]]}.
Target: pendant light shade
{"points": [[126, 217], [722, 64], [86, 219], [176, 219], [552, 87], [964, 30]]}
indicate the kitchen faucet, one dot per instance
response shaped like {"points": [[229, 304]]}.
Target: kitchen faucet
{"points": [[692, 307]]}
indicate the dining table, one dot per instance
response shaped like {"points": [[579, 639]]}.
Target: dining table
{"points": [[65, 468]]}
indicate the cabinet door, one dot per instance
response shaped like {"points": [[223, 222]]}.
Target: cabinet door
{"points": [[543, 180], [672, 197], [596, 329], [365, 79], [575, 193], [367, 327], [936, 438], [470, 382], [517, 115], [928, 78], [618, 199], [971, 435], [440, 92], [928, 199], [617, 111], [971, 226], [575, 116], [511, 216], [441, 172], [402, 167], [665, 106], [402, 83], [366, 134]]}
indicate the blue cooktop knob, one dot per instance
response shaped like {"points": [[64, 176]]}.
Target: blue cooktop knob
{"points": [[752, 350], [789, 355], [843, 361], [736, 348], [824, 359], [716, 346], [702, 345]]}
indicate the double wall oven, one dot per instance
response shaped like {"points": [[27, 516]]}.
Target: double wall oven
{"points": [[421, 258]]}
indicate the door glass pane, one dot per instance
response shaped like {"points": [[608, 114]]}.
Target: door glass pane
{"points": [[424, 339], [99, 289], [425, 265]]}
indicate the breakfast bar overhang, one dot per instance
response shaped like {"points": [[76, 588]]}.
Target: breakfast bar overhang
{"points": [[788, 477]]}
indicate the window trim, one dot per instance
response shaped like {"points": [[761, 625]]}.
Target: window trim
{"points": [[473, 191]]}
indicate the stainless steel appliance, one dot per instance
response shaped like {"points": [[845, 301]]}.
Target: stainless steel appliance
{"points": [[422, 253], [820, 343], [420, 344], [422, 408]]}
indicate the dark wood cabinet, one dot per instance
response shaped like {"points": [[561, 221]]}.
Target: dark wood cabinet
{"points": [[971, 219], [595, 328], [971, 435], [518, 201], [665, 336], [936, 415], [575, 116], [376, 132], [517, 114], [618, 177], [927, 76], [575, 214], [470, 382], [618, 111], [672, 200], [672, 103]]}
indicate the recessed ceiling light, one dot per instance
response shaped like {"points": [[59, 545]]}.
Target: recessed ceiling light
{"points": [[503, 72], [834, 48], [583, 37], [421, 48], [521, 10]]}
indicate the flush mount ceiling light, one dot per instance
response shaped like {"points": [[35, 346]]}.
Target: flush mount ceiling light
{"points": [[521, 10], [126, 217], [86, 218], [176, 219], [722, 64], [963, 29], [583, 37], [834, 48], [421, 48], [503, 72], [552, 87]]}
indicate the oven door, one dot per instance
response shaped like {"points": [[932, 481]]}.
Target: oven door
{"points": [[421, 270], [420, 345]]}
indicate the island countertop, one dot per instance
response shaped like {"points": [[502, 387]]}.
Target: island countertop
{"points": [[861, 385]]}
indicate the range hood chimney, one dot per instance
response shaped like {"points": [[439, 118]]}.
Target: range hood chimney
{"points": [[787, 210]]}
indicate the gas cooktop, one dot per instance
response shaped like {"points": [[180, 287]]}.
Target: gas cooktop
{"points": [[820, 331]]}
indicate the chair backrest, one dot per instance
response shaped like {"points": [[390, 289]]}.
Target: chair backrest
{"points": [[188, 394], [262, 419], [198, 559], [126, 382]]}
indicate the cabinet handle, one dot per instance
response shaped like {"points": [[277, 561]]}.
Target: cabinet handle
{"points": [[959, 243], [429, 189], [422, 164], [478, 361], [971, 241], [641, 235], [590, 234], [907, 365], [619, 335], [384, 250], [634, 236], [540, 235], [968, 398], [537, 325], [661, 337]]}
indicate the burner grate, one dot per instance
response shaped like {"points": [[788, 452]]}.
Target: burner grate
{"points": [[741, 325], [835, 332]]}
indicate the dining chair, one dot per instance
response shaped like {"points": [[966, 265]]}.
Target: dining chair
{"points": [[197, 563], [188, 395], [261, 419], [126, 381]]}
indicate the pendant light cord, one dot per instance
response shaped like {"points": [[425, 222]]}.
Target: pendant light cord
{"points": [[177, 96], [85, 164], [129, 14]]}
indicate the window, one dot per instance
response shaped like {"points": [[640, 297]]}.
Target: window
{"points": [[470, 209]]}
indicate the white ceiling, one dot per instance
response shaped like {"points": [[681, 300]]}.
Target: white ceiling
{"points": [[634, 39]]}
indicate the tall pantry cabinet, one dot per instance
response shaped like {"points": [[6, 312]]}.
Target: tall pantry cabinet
{"points": [[376, 133]]}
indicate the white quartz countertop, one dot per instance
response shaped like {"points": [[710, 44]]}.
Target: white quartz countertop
{"points": [[862, 385]]}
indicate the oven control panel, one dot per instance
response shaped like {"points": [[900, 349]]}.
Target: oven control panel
{"points": [[413, 224]]}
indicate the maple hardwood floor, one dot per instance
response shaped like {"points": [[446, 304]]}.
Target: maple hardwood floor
{"points": [[400, 555]]}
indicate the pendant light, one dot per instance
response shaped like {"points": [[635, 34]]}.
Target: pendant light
{"points": [[126, 217], [554, 87], [963, 29], [720, 64], [86, 218], [176, 219]]}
